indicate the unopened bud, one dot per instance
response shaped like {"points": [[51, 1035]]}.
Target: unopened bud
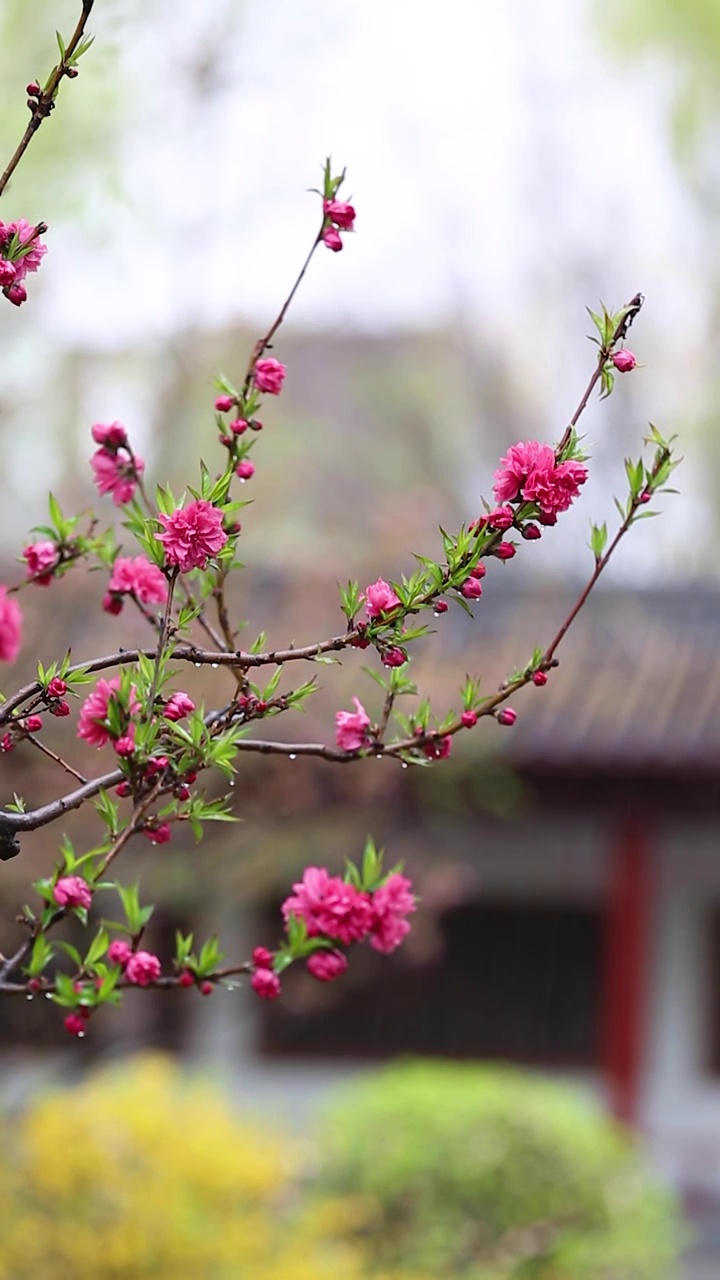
{"points": [[623, 360], [506, 716], [539, 678], [530, 532]]}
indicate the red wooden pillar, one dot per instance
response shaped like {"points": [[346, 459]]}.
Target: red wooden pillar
{"points": [[627, 938]]}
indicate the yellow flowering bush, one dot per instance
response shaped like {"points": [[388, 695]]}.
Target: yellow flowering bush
{"points": [[142, 1174]]}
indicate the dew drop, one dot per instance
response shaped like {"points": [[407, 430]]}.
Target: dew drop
{"points": [[231, 782], [198, 664], [214, 665], [292, 756], [404, 764], [48, 995], [81, 1035], [378, 756], [28, 997]]}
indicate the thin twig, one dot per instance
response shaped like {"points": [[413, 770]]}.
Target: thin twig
{"points": [[46, 101]]}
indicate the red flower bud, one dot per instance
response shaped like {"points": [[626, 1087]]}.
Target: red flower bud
{"points": [[262, 958], [224, 403], [469, 718], [623, 360], [539, 678], [530, 532], [506, 716], [206, 988], [33, 89], [186, 979]]}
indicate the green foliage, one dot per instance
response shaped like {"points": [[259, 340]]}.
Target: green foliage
{"points": [[487, 1174]]}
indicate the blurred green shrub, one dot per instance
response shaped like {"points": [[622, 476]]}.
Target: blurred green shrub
{"points": [[487, 1173], [140, 1174]]}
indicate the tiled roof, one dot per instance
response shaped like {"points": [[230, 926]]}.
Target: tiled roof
{"points": [[638, 682]]}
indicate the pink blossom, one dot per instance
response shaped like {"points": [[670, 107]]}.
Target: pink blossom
{"points": [[438, 748], [136, 575], [72, 891], [112, 436], [391, 903], [56, 688], [269, 375], [519, 462], [178, 706], [265, 984], [554, 490], [143, 968], [379, 597], [351, 727], [342, 214], [332, 239], [125, 745], [116, 475], [329, 906], [119, 952], [245, 469], [501, 518], [40, 557], [531, 472], [623, 360], [8, 272], [10, 627], [193, 534], [471, 589], [327, 965], [94, 711], [25, 232], [74, 1024], [507, 716]]}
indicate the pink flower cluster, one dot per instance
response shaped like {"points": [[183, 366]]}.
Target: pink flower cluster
{"points": [[338, 215], [531, 473], [10, 627], [134, 576], [335, 909], [141, 967], [92, 722], [192, 535], [117, 469], [14, 264], [73, 891]]}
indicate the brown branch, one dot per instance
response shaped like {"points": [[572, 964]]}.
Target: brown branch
{"points": [[30, 737], [631, 310], [46, 101], [263, 343]]}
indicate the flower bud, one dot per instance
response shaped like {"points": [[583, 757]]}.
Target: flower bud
{"points": [[332, 239], [16, 294], [506, 716], [471, 589], [206, 988], [530, 532], [186, 979], [623, 360], [33, 89], [262, 958], [238, 426], [469, 718], [245, 469], [74, 1024], [479, 571], [504, 550], [72, 73], [440, 606], [539, 678], [266, 984], [394, 657], [224, 403]]}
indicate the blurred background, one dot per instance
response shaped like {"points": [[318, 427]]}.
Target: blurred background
{"points": [[510, 164]]}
